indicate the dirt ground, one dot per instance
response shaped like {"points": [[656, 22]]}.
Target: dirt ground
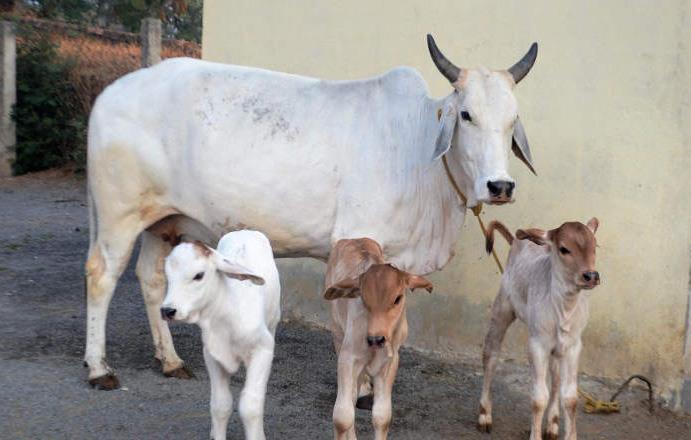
{"points": [[43, 391]]}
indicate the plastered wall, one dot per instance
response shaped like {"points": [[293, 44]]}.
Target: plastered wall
{"points": [[607, 109]]}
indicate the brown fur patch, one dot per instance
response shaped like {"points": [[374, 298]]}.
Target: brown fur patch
{"points": [[179, 373], [202, 248]]}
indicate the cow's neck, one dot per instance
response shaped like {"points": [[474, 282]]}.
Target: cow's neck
{"points": [[438, 217]]}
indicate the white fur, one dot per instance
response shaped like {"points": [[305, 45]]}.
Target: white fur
{"points": [[305, 160], [238, 319], [540, 291]]}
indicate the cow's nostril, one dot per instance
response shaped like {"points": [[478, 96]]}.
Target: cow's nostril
{"points": [[493, 187], [375, 340], [167, 312], [586, 276], [509, 188]]}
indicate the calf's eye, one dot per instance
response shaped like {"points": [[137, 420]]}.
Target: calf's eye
{"points": [[564, 251], [398, 299], [198, 276], [466, 116]]}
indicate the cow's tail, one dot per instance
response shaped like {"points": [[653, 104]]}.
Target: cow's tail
{"points": [[489, 239]]}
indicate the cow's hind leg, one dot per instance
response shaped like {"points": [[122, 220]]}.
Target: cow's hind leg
{"points": [[153, 283], [502, 316], [108, 257]]}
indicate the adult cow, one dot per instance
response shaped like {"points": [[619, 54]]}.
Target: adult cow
{"points": [[198, 148]]}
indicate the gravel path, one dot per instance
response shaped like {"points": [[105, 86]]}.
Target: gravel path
{"points": [[43, 392]]}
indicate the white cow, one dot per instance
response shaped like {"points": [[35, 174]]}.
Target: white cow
{"points": [[200, 148], [233, 295]]}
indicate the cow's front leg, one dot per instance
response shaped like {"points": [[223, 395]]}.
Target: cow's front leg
{"points": [[381, 409], [221, 397], [569, 389], [251, 406], [539, 359]]}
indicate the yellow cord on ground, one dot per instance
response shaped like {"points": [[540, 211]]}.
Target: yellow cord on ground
{"points": [[593, 405]]}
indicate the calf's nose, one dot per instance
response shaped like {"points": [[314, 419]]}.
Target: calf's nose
{"points": [[498, 188], [375, 341], [167, 313], [591, 277]]}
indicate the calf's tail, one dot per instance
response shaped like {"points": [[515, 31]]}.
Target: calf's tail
{"points": [[489, 238]]}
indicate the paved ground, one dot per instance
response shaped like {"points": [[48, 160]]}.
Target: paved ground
{"points": [[43, 393]]}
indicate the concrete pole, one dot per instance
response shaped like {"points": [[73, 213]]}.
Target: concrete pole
{"points": [[151, 41], [8, 96]]}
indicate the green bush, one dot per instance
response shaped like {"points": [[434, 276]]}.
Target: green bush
{"points": [[51, 129]]}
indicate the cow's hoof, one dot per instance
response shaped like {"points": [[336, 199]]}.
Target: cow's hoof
{"points": [[107, 382], [484, 427], [365, 402], [179, 373]]}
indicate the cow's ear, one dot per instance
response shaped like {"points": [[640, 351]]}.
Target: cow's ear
{"points": [[348, 288], [418, 282], [520, 145], [235, 270], [447, 127], [537, 236], [593, 224]]}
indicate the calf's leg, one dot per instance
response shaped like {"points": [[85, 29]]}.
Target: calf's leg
{"points": [[539, 359], [552, 429], [381, 409], [569, 389], [502, 317], [253, 394], [153, 284], [221, 404], [349, 369]]}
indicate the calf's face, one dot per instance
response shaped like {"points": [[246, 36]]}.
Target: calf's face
{"points": [[195, 274], [383, 291], [573, 250]]}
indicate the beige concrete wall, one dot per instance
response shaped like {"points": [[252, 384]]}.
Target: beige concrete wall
{"points": [[608, 112]]}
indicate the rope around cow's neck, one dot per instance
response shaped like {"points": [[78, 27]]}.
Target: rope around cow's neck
{"points": [[477, 209]]}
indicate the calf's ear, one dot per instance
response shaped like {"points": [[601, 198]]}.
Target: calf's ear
{"points": [[447, 126], [348, 288], [235, 270], [418, 282], [593, 224], [537, 236]]}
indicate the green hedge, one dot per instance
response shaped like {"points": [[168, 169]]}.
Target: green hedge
{"points": [[51, 128]]}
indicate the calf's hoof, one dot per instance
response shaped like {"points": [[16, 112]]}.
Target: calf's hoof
{"points": [[484, 427], [550, 436], [179, 373], [365, 402], [106, 382]]}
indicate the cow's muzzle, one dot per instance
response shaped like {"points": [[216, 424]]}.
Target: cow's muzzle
{"points": [[500, 191]]}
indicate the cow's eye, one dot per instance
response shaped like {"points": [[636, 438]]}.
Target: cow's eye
{"points": [[466, 116], [564, 251], [398, 299], [198, 276]]}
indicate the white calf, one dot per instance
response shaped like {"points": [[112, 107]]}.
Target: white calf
{"points": [[233, 295], [545, 273]]}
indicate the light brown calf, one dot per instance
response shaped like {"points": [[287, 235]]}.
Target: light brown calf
{"points": [[545, 273], [369, 326]]}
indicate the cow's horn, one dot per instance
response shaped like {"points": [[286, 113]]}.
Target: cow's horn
{"points": [[521, 68], [446, 67]]}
